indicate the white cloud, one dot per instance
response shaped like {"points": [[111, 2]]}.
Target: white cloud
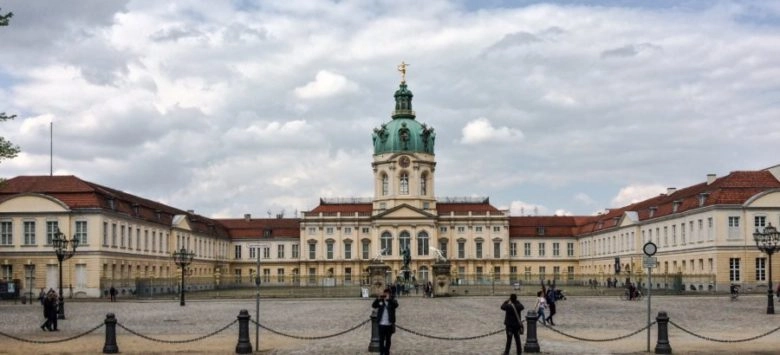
{"points": [[325, 84], [481, 131], [635, 193]]}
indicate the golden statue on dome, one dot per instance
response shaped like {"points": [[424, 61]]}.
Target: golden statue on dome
{"points": [[402, 69]]}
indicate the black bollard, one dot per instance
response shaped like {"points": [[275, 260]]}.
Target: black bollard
{"points": [[531, 343], [244, 346], [373, 345], [110, 346], [662, 345]]}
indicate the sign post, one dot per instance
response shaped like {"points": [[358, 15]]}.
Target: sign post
{"points": [[649, 262], [258, 248]]}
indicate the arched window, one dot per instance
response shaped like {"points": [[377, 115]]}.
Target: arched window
{"points": [[424, 184], [404, 183], [385, 184], [404, 241], [422, 243], [387, 243]]}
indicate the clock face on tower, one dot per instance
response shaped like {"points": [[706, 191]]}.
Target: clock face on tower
{"points": [[404, 161]]}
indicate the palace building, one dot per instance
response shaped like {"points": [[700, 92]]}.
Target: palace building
{"points": [[704, 232]]}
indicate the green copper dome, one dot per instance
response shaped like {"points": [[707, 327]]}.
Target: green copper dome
{"points": [[403, 133]]}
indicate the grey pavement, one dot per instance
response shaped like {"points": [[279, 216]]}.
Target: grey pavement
{"points": [[591, 318]]}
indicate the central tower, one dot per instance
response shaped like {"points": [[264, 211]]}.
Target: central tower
{"points": [[404, 162]]}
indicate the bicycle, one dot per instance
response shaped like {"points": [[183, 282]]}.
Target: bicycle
{"points": [[625, 297]]}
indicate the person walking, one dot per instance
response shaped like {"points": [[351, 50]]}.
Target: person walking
{"points": [[550, 298], [541, 304], [385, 305], [50, 312], [514, 325], [112, 293]]}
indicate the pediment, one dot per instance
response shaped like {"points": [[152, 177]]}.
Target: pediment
{"points": [[404, 211], [628, 218], [182, 222], [32, 202]]}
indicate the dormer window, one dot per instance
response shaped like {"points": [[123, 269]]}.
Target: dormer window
{"points": [[540, 230], [136, 209], [111, 203], [267, 233], [703, 198], [676, 205], [652, 211]]}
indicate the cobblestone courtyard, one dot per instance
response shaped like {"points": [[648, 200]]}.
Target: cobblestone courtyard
{"points": [[602, 317]]}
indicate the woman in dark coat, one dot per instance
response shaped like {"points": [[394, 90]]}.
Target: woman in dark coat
{"points": [[50, 312]]}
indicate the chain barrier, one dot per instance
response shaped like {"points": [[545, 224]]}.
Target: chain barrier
{"points": [[450, 338], [601, 340], [52, 341], [723, 340], [310, 337], [177, 341]]}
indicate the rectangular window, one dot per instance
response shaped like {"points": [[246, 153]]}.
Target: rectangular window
{"points": [[129, 237], [347, 275], [365, 230], [113, 235], [674, 234], [526, 249], [513, 274], [312, 274], [29, 233], [478, 229], [6, 233], [462, 250], [347, 251], [266, 253], [347, 230], [329, 230], [266, 275], [734, 270], [312, 251], [443, 248], [252, 253], [364, 252], [280, 251], [154, 241], [570, 249], [682, 233], [295, 252], [760, 269], [461, 229], [480, 276], [513, 249], [443, 229], [329, 251], [542, 271], [496, 250], [280, 275], [539, 230], [238, 252], [759, 222], [52, 228], [8, 272], [733, 228], [570, 273], [138, 240], [556, 272], [105, 234], [312, 230], [122, 236], [541, 249], [496, 229], [556, 249], [479, 250]]}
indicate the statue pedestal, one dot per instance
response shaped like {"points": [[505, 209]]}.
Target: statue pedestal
{"points": [[378, 277], [442, 279]]}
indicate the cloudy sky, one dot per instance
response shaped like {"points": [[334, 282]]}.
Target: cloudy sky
{"points": [[233, 107]]}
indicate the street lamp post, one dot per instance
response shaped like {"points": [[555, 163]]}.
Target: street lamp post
{"points": [[768, 242], [182, 258], [60, 244]]}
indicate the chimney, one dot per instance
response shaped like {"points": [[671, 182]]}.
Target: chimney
{"points": [[247, 217], [670, 190], [711, 178]]}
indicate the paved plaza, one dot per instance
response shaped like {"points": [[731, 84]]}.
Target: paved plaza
{"points": [[590, 317]]}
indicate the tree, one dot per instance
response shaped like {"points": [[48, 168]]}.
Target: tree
{"points": [[4, 19], [7, 149]]}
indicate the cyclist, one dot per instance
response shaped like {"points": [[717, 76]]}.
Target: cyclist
{"points": [[734, 290]]}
